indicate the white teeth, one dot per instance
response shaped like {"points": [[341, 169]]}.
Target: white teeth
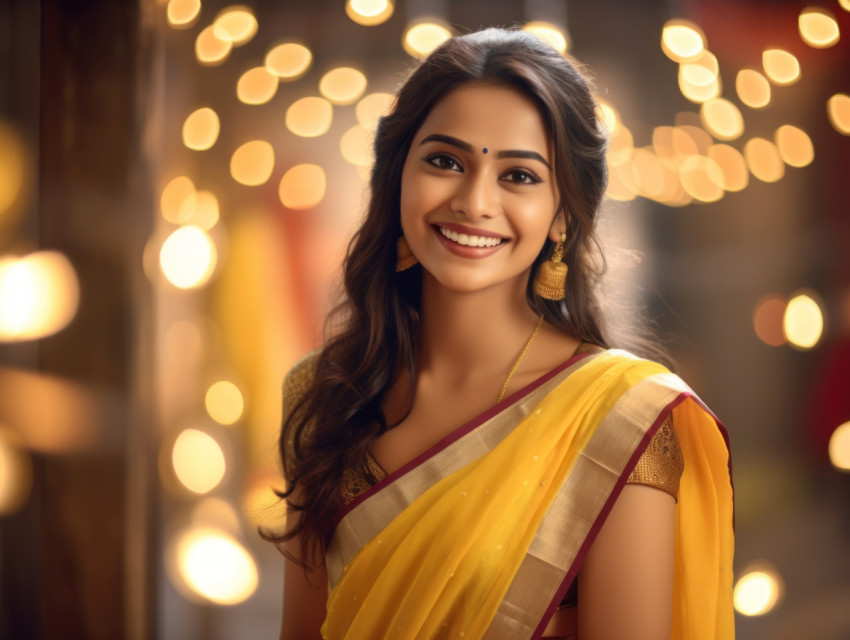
{"points": [[468, 240]]}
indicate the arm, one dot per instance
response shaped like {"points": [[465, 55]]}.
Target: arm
{"points": [[626, 582]]}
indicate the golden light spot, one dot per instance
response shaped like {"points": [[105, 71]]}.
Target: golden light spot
{"points": [[839, 447], [736, 176], [12, 169], [210, 48], [818, 27], [39, 295], [237, 23], [752, 88], [260, 503], [252, 163], [201, 129], [257, 86], [369, 12], [689, 139], [838, 109], [198, 461], [550, 34], [309, 117], [184, 342], [342, 85], [768, 319], [702, 179], [289, 61], [699, 93], [803, 321], [188, 257], [758, 590], [15, 473], [608, 114], [201, 210], [182, 14], [621, 145], [795, 146], [421, 39], [174, 198], [224, 402], [701, 71], [682, 40], [781, 67], [372, 107], [650, 173], [618, 188], [302, 187], [845, 4], [764, 160], [722, 119], [215, 566], [356, 146]]}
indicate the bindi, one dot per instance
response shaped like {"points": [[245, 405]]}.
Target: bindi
{"points": [[485, 149]]}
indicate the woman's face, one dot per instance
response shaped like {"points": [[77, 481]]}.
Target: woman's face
{"points": [[478, 194]]}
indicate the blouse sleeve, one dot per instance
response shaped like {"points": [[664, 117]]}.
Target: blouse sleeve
{"points": [[662, 463], [295, 385]]}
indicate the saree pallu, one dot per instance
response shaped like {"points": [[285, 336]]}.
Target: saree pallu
{"points": [[481, 536]]}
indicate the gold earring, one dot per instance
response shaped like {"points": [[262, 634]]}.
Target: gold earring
{"points": [[551, 277], [405, 258]]}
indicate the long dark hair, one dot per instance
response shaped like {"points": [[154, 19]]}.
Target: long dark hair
{"points": [[377, 326]]}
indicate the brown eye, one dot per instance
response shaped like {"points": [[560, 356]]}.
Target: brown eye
{"points": [[443, 161], [522, 176]]}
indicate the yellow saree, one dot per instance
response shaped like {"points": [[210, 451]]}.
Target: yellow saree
{"points": [[481, 536]]}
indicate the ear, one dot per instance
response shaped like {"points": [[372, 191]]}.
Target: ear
{"points": [[559, 226]]}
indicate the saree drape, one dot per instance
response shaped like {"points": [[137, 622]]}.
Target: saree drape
{"points": [[481, 536]]}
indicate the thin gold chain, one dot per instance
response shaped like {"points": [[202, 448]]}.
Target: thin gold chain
{"points": [[519, 359]]}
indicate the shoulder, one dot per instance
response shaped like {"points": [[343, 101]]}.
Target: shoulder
{"points": [[299, 378]]}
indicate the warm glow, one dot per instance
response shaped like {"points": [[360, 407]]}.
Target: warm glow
{"points": [[758, 591], [622, 183], [550, 34], [722, 119], [780, 66], [342, 85], [184, 342], [753, 88], [421, 39], [175, 198], [702, 178], [795, 146], [682, 40], [309, 117], [252, 163], [701, 71], [200, 209], [214, 565], [818, 27], [650, 173], [302, 187], [224, 402], [621, 145], [845, 4], [609, 115], [736, 176], [839, 447], [15, 473], [261, 504], [370, 109], [183, 13], [188, 257], [236, 23], [369, 12], [764, 160], [257, 86], [689, 140], [803, 321], [699, 92], [12, 168], [356, 146], [39, 295], [198, 461], [289, 61], [768, 318], [838, 109], [210, 49], [201, 128]]}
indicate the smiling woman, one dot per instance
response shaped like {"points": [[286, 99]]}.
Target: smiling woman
{"points": [[467, 456]]}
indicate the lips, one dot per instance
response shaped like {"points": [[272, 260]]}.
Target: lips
{"points": [[469, 239]]}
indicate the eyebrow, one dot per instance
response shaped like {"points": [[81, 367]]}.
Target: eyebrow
{"points": [[465, 146]]}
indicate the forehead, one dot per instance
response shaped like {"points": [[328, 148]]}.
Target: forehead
{"points": [[488, 115]]}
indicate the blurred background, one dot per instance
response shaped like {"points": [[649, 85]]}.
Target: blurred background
{"points": [[178, 181]]}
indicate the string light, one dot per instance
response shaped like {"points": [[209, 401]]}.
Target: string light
{"points": [[759, 590], [818, 27], [369, 12], [215, 566], [682, 40], [302, 187], [252, 163], [182, 14], [803, 321], [211, 49], [198, 461], [236, 23], [839, 447], [421, 39], [736, 177], [309, 117], [764, 160], [753, 88], [838, 110], [550, 34], [289, 61], [201, 129], [722, 119], [342, 85], [188, 257], [781, 67], [795, 146], [257, 86]]}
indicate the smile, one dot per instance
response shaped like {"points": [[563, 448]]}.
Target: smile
{"points": [[469, 240]]}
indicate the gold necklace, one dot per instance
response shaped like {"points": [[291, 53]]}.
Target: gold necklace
{"points": [[519, 359]]}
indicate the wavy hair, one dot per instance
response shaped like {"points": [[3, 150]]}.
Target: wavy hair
{"points": [[333, 424]]}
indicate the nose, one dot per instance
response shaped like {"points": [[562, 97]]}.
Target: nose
{"points": [[477, 196]]}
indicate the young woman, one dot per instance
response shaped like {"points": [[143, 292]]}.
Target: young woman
{"points": [[466, 456]]}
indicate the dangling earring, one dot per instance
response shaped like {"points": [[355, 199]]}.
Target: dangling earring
{"points": [[405, 258], [551, 277]]}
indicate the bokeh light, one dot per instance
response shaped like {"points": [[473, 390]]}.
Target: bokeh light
{"points": [[803, 321], [682, 40], [838, 110], [198, 461], [182, 14], [752, 88], [702, 178], [736, 176], [781, 67], [188, 257], [302, 187], [758, 591], [15, 473], [703, 70], [201, 210], [224, 402], [39, 295], [699, 93], [252, 163], [795, 146], [722, 119], [236, 23], [818, 27], [210, 48], [215, 566], [609, 114], [309, 117], [289, 61], [421, 39], [342, 85], [12, 171], [768, 319], [764, 160], [839, 447], [550, 34], [201, 129], [260, 503], [369, 12], [175, 195], [257, 86], [370, 109], [356, 146], [184, 342]]}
